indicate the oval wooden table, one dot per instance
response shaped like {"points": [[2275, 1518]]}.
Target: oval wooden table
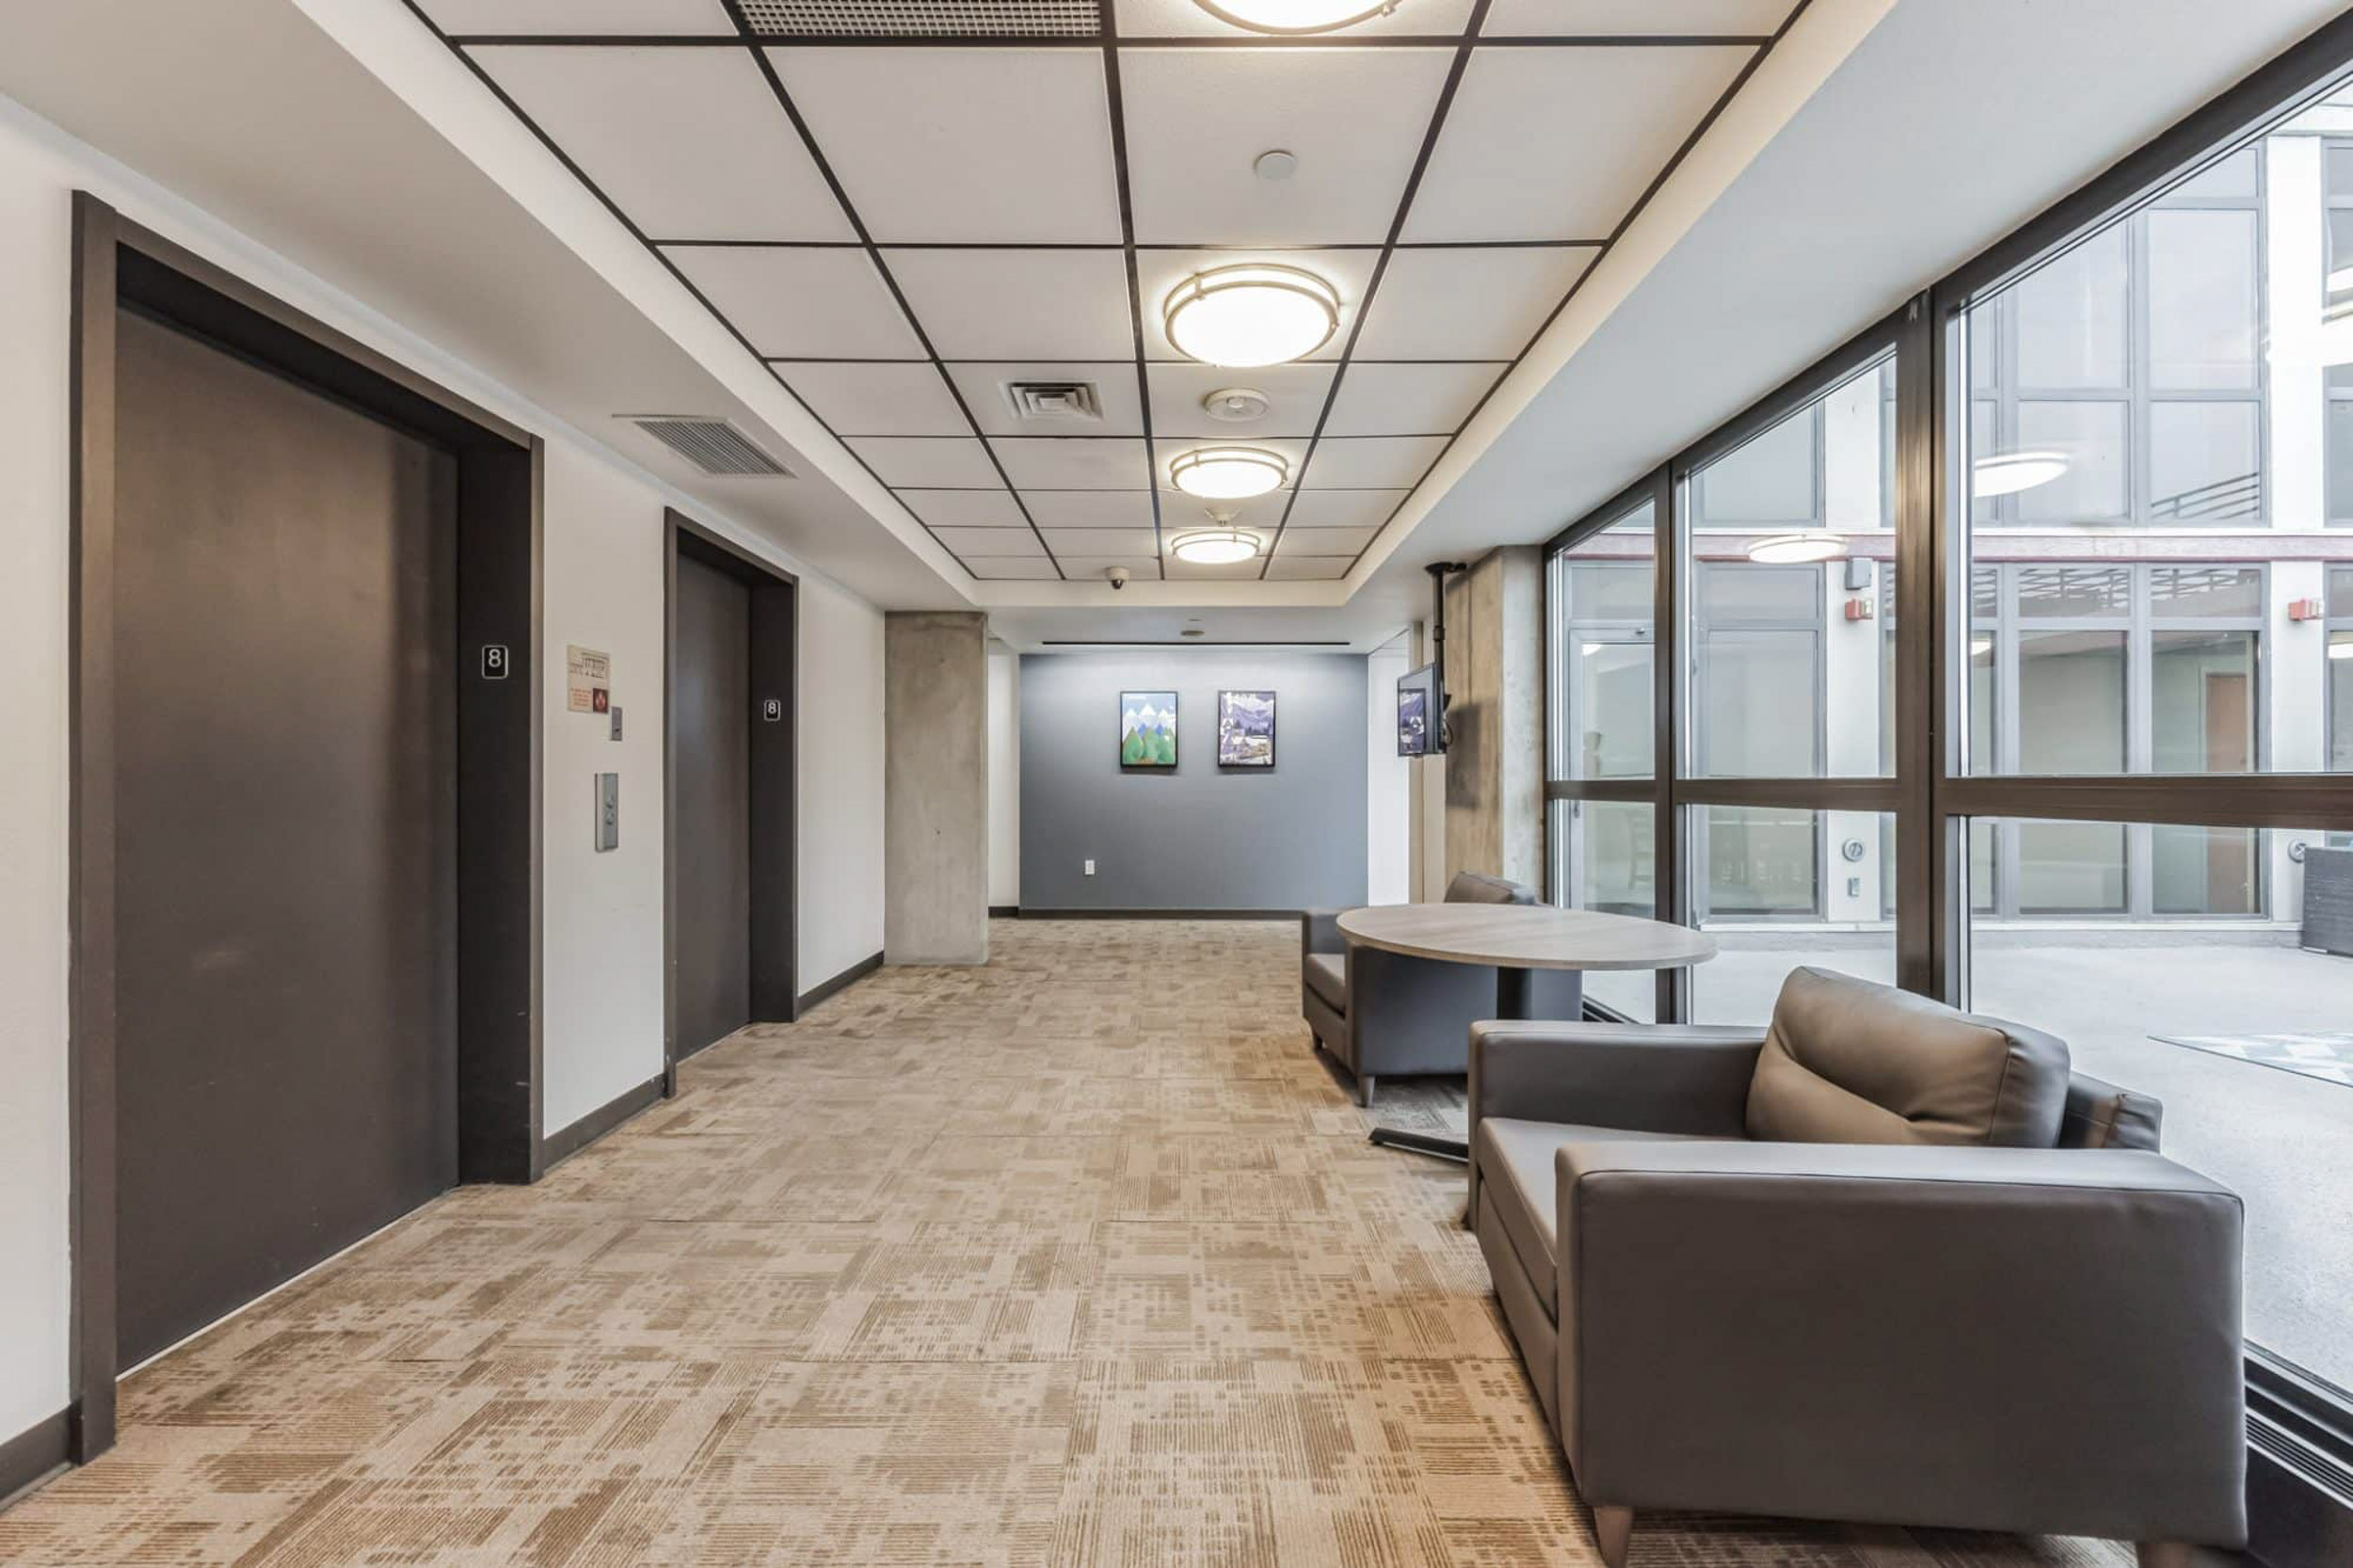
{"points": [[1515, 939]]}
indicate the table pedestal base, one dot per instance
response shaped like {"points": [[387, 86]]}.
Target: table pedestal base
{"points": [[1514, 992]]}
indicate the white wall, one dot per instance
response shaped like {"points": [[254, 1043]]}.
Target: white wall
{"points": [[602, 944], [34, 274], [840, 744], [1004, 778], [603, 587]]}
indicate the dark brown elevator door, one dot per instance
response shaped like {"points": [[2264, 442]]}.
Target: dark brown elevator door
{"points": [[711, 741], [286, 1057]]}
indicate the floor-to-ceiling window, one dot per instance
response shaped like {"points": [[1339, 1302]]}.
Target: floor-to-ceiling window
{"points": [[1789, 548], [2100, 709], [1602, 735]]}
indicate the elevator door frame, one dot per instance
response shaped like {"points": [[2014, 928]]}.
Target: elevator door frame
{"points": [[499, 721], [773, 785]]}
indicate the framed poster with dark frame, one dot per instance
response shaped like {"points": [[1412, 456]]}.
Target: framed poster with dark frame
{"points": [[1245, 730], [1147, 732]]}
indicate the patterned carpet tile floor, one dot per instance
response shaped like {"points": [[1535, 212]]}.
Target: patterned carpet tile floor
{"points": [[1077, 1258]]}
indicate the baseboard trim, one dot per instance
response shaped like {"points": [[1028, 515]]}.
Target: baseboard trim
{"points": [[1005, 911], [841, 982], [562, 1145], [1029, 914], [35, 1454]]}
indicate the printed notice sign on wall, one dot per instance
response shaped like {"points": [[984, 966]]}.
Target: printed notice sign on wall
{"points": [[588, 676]]}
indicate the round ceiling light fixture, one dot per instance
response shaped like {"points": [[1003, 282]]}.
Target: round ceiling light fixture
{"points": [[1296, 16], [1227, 473], [1784, 549], [1215, 547], [1250, 313], [2007, 473]]}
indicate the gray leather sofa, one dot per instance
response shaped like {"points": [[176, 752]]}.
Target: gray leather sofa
{"points": [[1382, 1012], [1881, 1261]]}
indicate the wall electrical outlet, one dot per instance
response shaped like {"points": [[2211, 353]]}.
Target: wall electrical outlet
{"points": [[1090, 865]]}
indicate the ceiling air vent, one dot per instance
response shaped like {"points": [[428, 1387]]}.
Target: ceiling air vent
{"points": [[1059, 402], [924, 18], [712, 445]]}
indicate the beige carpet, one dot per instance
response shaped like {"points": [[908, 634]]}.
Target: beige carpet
{"points": [[1077, 1258]]}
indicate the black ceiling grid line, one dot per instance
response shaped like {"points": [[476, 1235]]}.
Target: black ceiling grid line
{"points": [[874, 256], [1715, 111], [1463, 45], [672, 268], [1116, 106], [1082, 40], [1154, 244]]}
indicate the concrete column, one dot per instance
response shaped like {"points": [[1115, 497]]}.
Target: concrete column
{"points": [[1495, 765], [934, 789]]}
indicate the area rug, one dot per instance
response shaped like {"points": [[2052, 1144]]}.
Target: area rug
{"points": [[2326, 1057]]}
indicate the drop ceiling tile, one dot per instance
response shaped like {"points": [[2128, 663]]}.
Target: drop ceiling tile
{"points": [[1644, 18], [1114, 380], [1012, 568], [1019, 304], [1165, 452], [1197, 119], [1068, 463], [1186, 19], [1181, 513], [800, 303], [993, 508], [1371, 462], [1053, 510], [1159, 273], [1307, 569], [581, 18], [1081, 568], [1558, 144], [1408, 400], [1345, 508], [936, 146], [1323, 541], [1467, 304], [974, 544], [926, 461], [1122, 542], [690, 143], [1295, 395], [875, 399]]}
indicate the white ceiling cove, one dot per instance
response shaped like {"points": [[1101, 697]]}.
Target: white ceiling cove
{"points": [[905, 206]]}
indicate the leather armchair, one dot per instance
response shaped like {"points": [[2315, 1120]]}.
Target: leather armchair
{"points": [[1382, 1012], [1957, 1285]]}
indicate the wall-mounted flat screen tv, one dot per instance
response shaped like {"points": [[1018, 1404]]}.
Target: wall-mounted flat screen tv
{"points": [[1420, 713]]}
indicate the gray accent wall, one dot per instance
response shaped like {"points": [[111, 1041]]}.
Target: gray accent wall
{"points": [[1202, 837]]}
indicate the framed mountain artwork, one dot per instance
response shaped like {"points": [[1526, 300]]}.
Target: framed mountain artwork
{"points": [[1148, 730], [1245, 730]]}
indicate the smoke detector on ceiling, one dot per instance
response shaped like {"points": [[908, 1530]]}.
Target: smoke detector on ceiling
{"points": [[1057, 402], [712, 445], [1235, 405]]}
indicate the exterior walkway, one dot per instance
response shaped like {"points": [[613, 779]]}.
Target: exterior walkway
{"points": [[1077, 1258]]}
